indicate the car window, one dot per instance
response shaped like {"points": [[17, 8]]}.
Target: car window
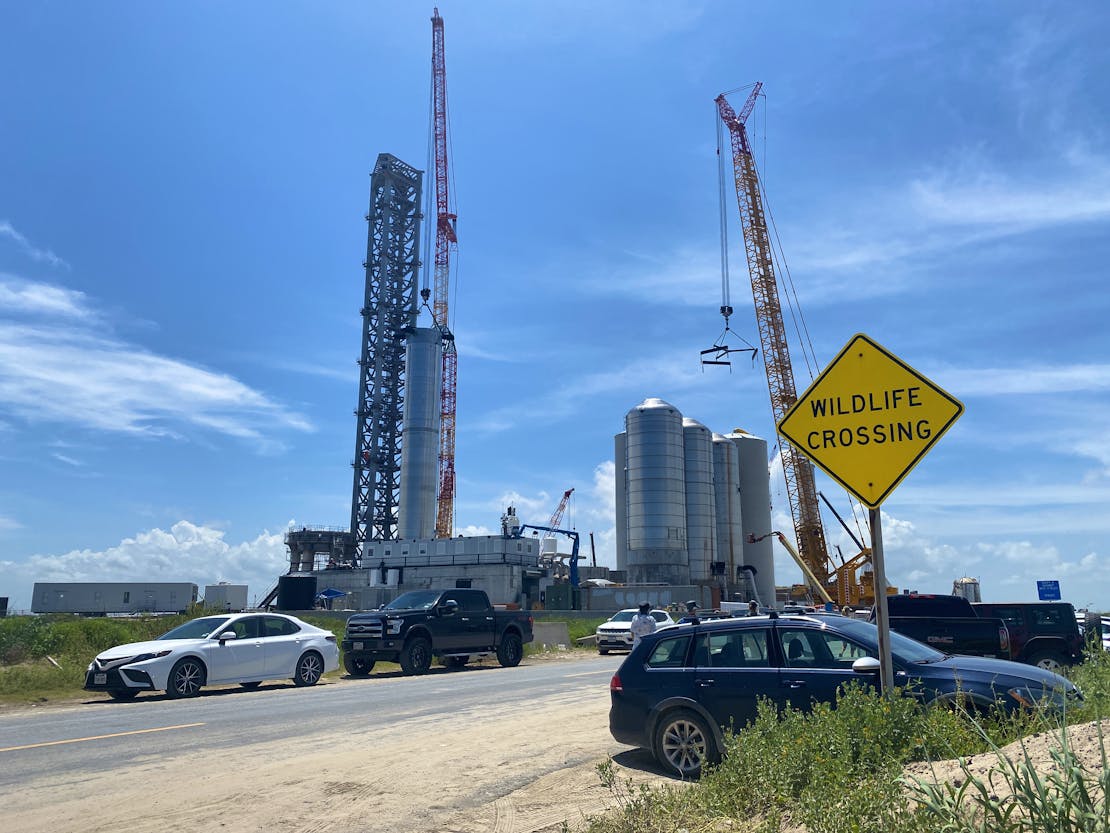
{"points": [[276, 626], [471, 601], [735, 649], [669, 653], [196, 629], [1047, 617], [1012, 616], [659, 616], [818, 649], [623, 616], [246, 628]]}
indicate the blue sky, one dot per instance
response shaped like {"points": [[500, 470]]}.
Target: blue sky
{"points": [[182, 191]]}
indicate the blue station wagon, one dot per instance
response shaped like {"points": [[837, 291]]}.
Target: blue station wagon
{"points": [[683, 686]]}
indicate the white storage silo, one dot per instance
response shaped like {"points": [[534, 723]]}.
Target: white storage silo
{"points": [[419, 478], [656, 486], [726, 487], [620, 466], [701, 499], [755, 509]]}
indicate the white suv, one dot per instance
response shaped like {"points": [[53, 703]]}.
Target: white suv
{"points": [[616, 634]]}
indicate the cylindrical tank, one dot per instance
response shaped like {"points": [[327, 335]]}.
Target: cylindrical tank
{"points": [[419, 481], [620, 468], [967, 588], [296, 592], [656, 486], [701, 499], [726, 489], [755, 509]]}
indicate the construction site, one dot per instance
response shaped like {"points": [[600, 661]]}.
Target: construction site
{"points": [[692, 503]]}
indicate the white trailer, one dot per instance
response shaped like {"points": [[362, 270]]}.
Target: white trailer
{"points": [[98, 598], [228, 597]]}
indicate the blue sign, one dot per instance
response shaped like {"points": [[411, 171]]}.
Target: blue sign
{"points": [[1048, 591]]}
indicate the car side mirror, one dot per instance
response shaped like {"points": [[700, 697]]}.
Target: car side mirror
{"points": [[449, 607], [226, 635], [866, 665]]}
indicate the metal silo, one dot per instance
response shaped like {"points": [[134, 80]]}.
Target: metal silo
{"points": [[755, 510], [416, 507], [701, 499], [726, 487], [620, 466], [656, 486]]}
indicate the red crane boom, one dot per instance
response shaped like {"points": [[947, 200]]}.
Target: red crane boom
{"points": [[446, 240]]}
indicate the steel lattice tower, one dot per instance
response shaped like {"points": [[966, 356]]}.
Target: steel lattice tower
{"points": [[389, 310]]}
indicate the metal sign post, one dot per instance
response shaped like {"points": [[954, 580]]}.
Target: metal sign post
{"points": [[882, 620]]}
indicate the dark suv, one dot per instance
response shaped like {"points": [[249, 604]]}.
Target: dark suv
{"points": [[1045, 634], [683, 686]]}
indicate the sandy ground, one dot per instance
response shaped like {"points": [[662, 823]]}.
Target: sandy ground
{"points": [[469, 773]]}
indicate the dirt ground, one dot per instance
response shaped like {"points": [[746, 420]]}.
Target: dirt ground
{"points": [[468, 776]]}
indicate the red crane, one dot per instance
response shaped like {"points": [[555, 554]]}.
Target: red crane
{"points": [[446, 240]]}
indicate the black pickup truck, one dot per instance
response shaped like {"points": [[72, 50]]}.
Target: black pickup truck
{"points": [[949, 624], [453, 625], [1045, 634]]}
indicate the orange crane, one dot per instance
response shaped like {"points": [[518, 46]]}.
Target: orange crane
{"points": [[446, 240], [801, 487]]}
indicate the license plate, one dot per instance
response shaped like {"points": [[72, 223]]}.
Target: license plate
{"points": [[358, 646], [100, 679]]}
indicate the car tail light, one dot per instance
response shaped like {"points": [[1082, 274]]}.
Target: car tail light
{"points": [[1004, 638], [615, 683]]}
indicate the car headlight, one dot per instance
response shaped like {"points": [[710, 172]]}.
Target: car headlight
{"points": [[145, 657], [393, 626]]}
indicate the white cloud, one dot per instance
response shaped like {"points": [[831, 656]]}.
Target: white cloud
{"points": [[69, 372], [1031, 379], [186, 552], [7, 230]]}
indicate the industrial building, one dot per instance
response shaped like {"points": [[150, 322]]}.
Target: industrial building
{"points": [[99, 598]]}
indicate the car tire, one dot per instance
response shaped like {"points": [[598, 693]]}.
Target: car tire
{"points": [[310, 668], [252, 684], [123, 693], [1049, 660], [186, 678], [455, 662], [683, 743], [358, 666], [511, 651], [416, 656]]}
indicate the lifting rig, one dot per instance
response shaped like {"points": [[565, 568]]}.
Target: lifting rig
{"points": [[828, 581], [446, 240]]}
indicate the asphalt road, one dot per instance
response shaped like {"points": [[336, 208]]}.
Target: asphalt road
{"points": [[70, 743]]}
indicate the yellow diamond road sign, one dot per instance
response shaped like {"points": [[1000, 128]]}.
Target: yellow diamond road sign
{"points": [[868, 419]]}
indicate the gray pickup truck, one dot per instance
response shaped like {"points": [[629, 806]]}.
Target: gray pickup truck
{"points": [[453, 625]]}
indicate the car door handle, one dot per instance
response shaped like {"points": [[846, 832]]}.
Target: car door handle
{"points": [[794, 683]]}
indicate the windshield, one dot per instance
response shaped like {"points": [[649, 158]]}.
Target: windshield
{"points": [[413, 600], [902, 647], [624, 616], [197, 629]]}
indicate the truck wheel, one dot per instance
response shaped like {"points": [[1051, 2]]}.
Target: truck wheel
{"points": [[511, 651], [416, 656], [683, 743], [357, 666], [1049, 660]]}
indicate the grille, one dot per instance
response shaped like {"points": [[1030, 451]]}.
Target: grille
{"points": [[365, 630]]}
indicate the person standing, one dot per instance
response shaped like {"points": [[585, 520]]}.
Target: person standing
{"points": [[691, 616], [643, 623]]}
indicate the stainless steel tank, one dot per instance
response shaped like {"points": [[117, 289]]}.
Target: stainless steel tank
{"points": [[656, 486], [620, 466], [416, 506], [726, 489], [701, 498], [755, 509]]}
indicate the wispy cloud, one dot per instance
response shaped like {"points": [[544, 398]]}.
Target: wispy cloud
{"points": [[1033, 379], [47, 367], [9, 232]]}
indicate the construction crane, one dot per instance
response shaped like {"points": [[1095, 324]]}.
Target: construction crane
{"points": [[446, 240], [801, 488]]}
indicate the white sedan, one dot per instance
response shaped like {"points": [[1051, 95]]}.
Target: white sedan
{"points": [[244, 648], [616, 634]]}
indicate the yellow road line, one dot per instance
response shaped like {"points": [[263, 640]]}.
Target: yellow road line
{"points": [[100, 737]]}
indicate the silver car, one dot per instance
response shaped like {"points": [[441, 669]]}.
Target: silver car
{"points": [[616, 634]]}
